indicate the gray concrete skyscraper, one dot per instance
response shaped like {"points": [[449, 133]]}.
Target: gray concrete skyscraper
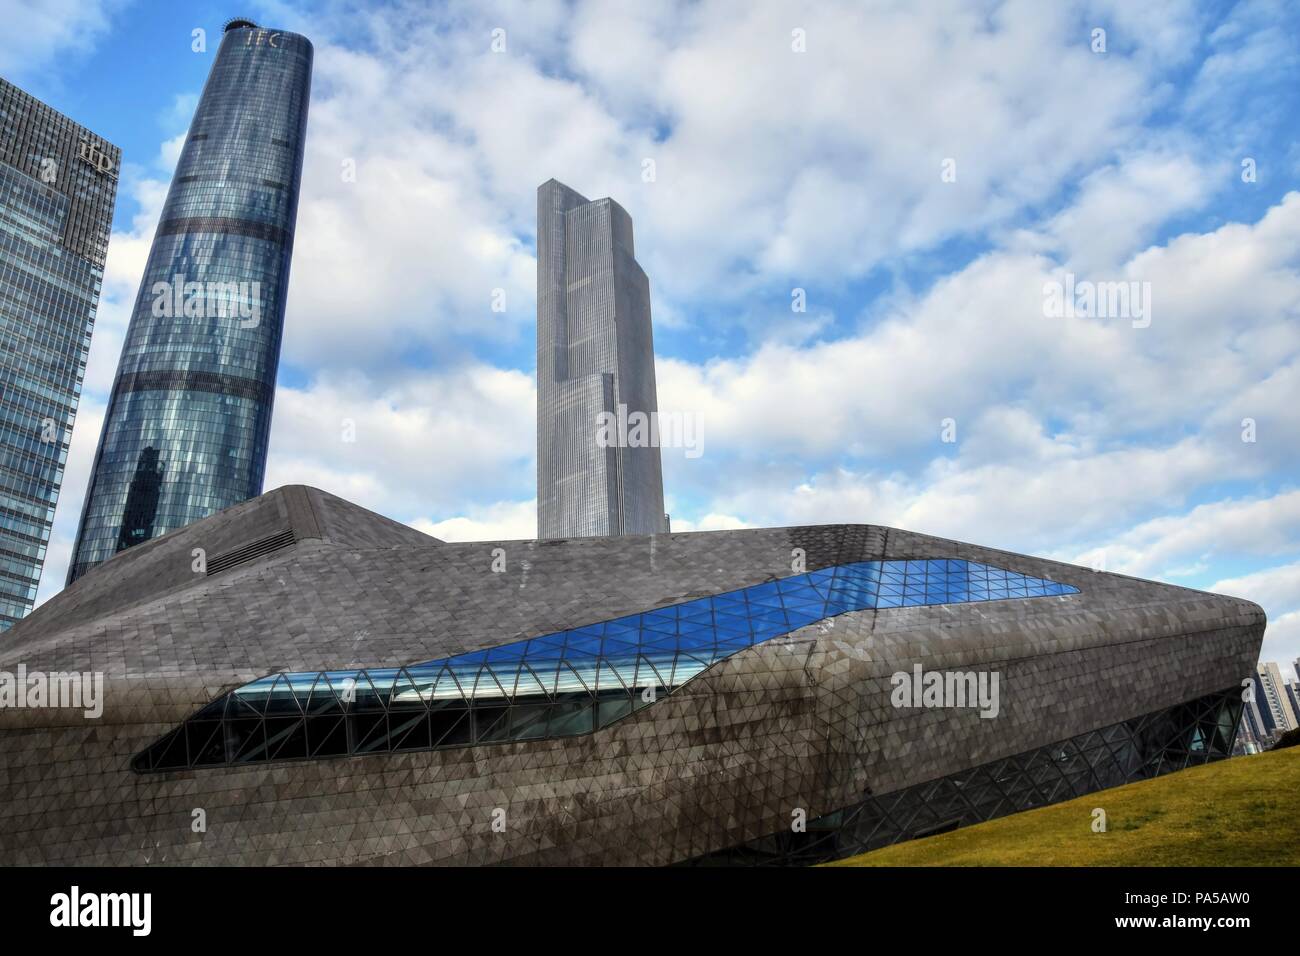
{"points": [[58, 182], [595, 360], [189, 418]]}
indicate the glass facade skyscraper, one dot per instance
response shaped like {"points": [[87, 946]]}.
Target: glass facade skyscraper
{"points": [[595, 362], [58, 182], [189, 418]]}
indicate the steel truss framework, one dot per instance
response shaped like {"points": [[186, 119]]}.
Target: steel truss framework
{"points": [[558, 685], [1196, 732]]}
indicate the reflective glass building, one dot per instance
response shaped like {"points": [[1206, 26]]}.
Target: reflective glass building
{"points": [[58, 181], [189, 418], [595, 354]]}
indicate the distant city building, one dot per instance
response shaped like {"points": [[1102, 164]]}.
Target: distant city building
{"points": [[58, 182], [595, 363], [188, 422], [1254, 734], [1293, 696], [1276, 712]]}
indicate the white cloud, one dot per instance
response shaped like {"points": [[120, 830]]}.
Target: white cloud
{"points": [[1038, 501], [762, 173], [1267, 527], [1282, 642], [128, 251], [37, 34], [819, 164], [76, 476], [1276, 588], [710, 522], [405, 258], [1224, 344], [410, 443], [501, 521], [1119, 207]]}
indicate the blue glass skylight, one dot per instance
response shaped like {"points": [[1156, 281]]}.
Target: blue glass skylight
{"points": [[561, 684]]}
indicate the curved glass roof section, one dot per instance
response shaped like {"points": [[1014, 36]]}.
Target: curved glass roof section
{"points": [[557, 685]]}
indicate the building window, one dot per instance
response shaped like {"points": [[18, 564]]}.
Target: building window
{"points": [[563, 684]]}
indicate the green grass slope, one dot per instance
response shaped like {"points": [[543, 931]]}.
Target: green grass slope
{"points": [[1244, 811]]}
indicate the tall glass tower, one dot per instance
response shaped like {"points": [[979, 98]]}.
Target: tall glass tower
{"points": [[58, 181], [595, 356], [189, 418]]}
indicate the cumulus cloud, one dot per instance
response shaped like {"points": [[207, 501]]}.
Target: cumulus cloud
{"points": [[419, 445], [1265, 527], [1277, 590], [76, 475], [500, 521], [710, 522], [761, 174], [50, 29], [1222, 344], [1277, 587], [1282, 642], [1119, 206]]}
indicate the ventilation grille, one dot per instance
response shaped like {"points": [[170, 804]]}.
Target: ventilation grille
{"points": [[251, 551]]}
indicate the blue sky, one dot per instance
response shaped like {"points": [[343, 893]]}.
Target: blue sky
{"points": [[1084, 438]]}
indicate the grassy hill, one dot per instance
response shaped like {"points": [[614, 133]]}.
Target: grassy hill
{"points": [[1244, 811]]}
